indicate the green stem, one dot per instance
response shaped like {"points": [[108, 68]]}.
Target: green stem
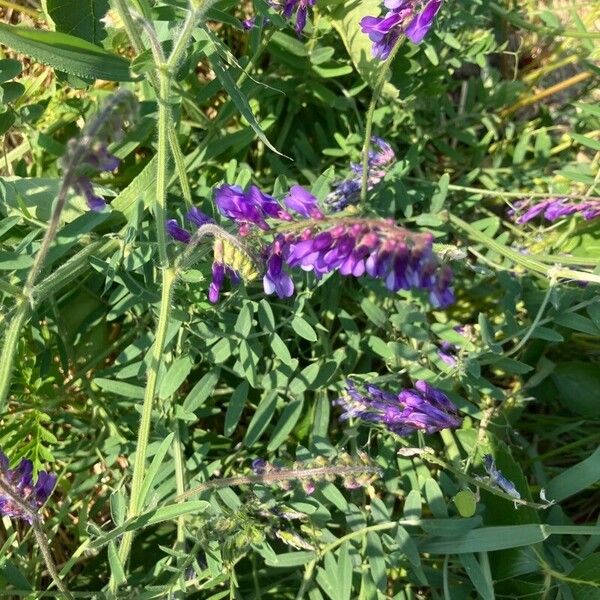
{"points": [[40, 537], [9, 348], [536, 321], [161, 168], [139, 466], [521, 259], [379, 83]]}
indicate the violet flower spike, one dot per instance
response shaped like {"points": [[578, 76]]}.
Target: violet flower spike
{"points": [[20, 483], [419, 27], [553, 209], [423, 408], [402, 259]]}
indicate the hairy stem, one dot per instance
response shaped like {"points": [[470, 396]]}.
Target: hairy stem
{"points": [[139, 465], [379, 83], [40, 537]]}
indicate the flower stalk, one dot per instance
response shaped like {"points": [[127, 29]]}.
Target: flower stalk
{"points": [[379, 83]]}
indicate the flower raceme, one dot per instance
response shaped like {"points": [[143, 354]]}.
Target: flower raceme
{"points": [[352, 246], [357, 247], [19, 496], [422, 408], [404, 17], [553, 209]]}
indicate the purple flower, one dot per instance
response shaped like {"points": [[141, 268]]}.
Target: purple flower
{"points": [[400, 19], [178, 233], [84, 187], [421, 24], [379, 249], [248, 24], [234, 203], [553, 209], [276, 279], [303, 202], [220, 268], [384, 32], [498, 478], [19, 496], [288, 7], [423, 408], [197, 217], [248, 208]]}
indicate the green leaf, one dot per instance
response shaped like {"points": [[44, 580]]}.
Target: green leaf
{"points": [[466, 503], [120, 388], [291, 559], [175, 376], [575, 478], [261, 419], [287, 421], [587, 575], [154, 467], [9, 68], [116, 567], [304, 329], [488, 539], [237, 96], [478, 577], [235, 407], [81, 18], [578, 385], [201, 391], [66, 53]]}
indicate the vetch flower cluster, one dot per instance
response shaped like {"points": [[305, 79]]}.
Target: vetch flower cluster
{"points": [[20, 498], [404, 17], [347, 191], [553, 209], [422, 408], [354, 247]]}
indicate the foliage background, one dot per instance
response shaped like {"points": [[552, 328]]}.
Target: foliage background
{"points": [[254, 377]]}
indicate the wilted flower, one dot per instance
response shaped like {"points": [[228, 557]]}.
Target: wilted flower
{"points": [[90, 151], [19, 496], [497, 477], [403, 17], [553, 209], [423, 408], [356, 247], [347, 191]]}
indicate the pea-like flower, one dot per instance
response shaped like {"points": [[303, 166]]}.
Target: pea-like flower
{"points": [[498, 478], [404, 17], [289, 7], [553, 209], [20, 498], [422, 408], [375, 248]]}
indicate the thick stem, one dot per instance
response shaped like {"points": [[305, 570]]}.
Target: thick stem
{"points": [[139, 465], [379, 83]]}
